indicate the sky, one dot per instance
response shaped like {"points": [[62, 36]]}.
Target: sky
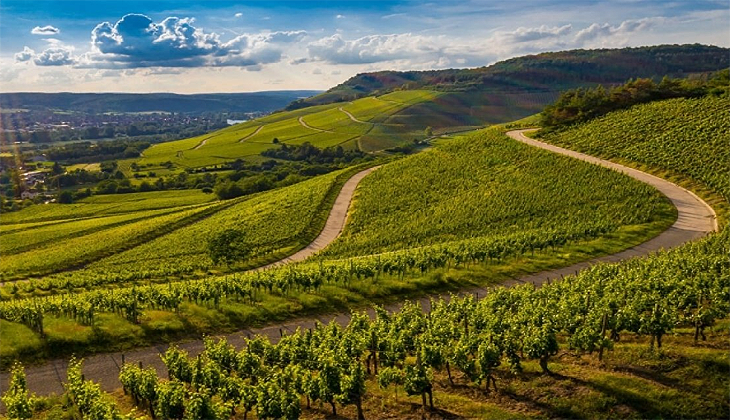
{"points": [[222, 46]]}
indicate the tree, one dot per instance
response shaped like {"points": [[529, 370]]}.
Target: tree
{"points": [[228, 189], [66, 197], [228, 247], [57, 169]]}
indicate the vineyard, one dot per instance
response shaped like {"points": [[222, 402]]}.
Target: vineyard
{"points": [[512, 204], [688, 137], [322, 126], [478, 203], [168, 242], [476, 343], [484, 185]]}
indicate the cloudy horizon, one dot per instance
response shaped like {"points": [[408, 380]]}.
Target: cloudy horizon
{"points": [[188, 47]]}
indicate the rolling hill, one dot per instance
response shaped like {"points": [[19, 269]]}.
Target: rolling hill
{"points": [[518, 87]]}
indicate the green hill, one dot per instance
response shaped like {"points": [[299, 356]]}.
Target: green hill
{"points": [[518, 87]]}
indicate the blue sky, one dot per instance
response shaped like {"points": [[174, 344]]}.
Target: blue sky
{"points": [[223, 46]]}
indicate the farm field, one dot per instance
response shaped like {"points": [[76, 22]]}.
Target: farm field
{"points": [[322, 126], [615, 222], [165, 242], [104, 205], [483, 185], [595, 333]]}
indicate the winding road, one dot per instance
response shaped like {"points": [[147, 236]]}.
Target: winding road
{"points": [[695, 219], [252, 134], [305, 125], [353, 118]]}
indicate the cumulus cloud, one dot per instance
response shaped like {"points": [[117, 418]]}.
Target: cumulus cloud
{"points": [[533, 34], [370, 49], [238, 15], [25, 55], [56, 55], [426, 51], [605, 30], [45, 30], [136, 41]]}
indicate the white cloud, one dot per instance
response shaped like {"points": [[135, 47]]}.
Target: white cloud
{"points": [[238, 15], [533, 34], [598, 31], [136, 41], [45, 30], [415, 51], [371, 49], [55, 56], [25, 55], [340, 16]]}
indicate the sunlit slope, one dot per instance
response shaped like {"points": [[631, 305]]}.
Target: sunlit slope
{"points": [[686, 136], [346, 124], [487, 185]]}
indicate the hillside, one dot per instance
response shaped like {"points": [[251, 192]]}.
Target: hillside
{"points": [[518, 87], [94, 103], [545, 72], [366, 124], [618, 340]]}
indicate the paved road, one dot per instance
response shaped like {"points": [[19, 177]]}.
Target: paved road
{"points": [[695, 219]]}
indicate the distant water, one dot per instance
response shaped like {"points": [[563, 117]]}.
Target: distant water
{"points": [[232, 122]]}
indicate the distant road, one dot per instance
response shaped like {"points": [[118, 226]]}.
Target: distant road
{"points": [[695, 219], [252, 134], [305, 125], [352, 117]]}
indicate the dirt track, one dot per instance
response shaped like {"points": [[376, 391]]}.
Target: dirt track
{"points": [[695, 220]]}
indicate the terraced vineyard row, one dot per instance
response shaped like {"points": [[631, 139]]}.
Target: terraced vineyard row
{"points": [[475, 342]]}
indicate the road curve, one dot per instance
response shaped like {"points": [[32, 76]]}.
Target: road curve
{"points": [[305, 125], [252, 134], [352, 117], [335, 221], [695, 219]]}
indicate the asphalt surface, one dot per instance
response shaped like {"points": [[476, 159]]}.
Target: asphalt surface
{"points": [[695, 220]]}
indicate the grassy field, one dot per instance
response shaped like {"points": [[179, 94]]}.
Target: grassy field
{"points": [[322, 126]]}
